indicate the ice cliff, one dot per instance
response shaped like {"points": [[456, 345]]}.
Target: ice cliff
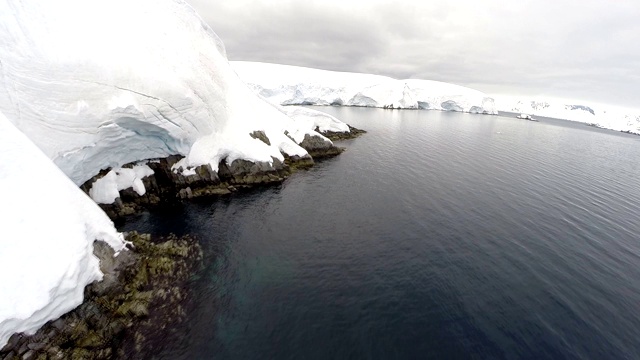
{"points": [[101, 84], [294, 85], [603, 116]]}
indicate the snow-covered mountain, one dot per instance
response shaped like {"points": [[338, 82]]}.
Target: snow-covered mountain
{"points": [[294, 85], [608, 117], [46, 249]]}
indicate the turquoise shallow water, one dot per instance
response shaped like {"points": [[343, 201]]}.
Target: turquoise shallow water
{"points": [[435, 235]]}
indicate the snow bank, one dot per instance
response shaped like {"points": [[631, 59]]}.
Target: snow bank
{"points": [[127, 81], [293, 85], [608, 117], [308, 120], [48, 229]]}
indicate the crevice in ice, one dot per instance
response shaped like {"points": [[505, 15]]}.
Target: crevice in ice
{"points": [[165, 117], [204, 101], [141, 94]]}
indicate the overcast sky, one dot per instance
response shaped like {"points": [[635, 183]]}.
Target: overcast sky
{"points": [[577, 49]]}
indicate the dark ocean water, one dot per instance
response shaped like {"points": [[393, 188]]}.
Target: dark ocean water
{"points": [[436, 235]]}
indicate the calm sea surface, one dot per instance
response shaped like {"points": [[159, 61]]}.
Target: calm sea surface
{"points": [[437, 235]]}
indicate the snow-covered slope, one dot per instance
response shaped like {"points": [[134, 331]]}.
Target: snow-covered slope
{"points": [[101, 84], [48, 229], [309, 119], [608, 117], [293, 85]]}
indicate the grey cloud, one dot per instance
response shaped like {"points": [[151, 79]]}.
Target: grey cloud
{"points": [[332, 40], [572, 49]]}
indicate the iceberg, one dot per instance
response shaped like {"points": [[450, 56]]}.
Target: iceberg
{"points": [[597, 115], [46, 250], [294, 85]]}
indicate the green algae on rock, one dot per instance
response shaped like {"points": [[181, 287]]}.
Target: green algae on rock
{"points": [[127, 314]]}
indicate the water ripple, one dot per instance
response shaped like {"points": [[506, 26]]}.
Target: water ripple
{"points": [[436, 235]]}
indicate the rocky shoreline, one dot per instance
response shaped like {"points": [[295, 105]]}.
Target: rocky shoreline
{"points": [[166, 185], [145, 289], [336, 136]]}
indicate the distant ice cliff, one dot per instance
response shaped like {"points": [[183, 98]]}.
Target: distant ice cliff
{"points": [[603, 116], [294, 85]]}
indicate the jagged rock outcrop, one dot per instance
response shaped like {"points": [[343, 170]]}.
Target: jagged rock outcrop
{"points": [[168, 181]]}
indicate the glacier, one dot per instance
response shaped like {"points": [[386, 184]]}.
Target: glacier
{"points": [[598, 115], [295, 85], [46, 250], [93, 95]]}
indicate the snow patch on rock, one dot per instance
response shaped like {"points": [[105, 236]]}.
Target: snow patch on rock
{"points": [[308, 120], [107, 189]]}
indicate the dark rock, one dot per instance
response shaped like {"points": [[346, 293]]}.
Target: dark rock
{"points": [[22, 349], [59, 324], [55, 353], [91, 341], [319, 147], [126, 320], [314, 143], [185, 193], [80, 354], [111, 266], [297, 162], [36, 346], [336, 136], [241, 167], [13, 342], [260, 135], [287, 134]]}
